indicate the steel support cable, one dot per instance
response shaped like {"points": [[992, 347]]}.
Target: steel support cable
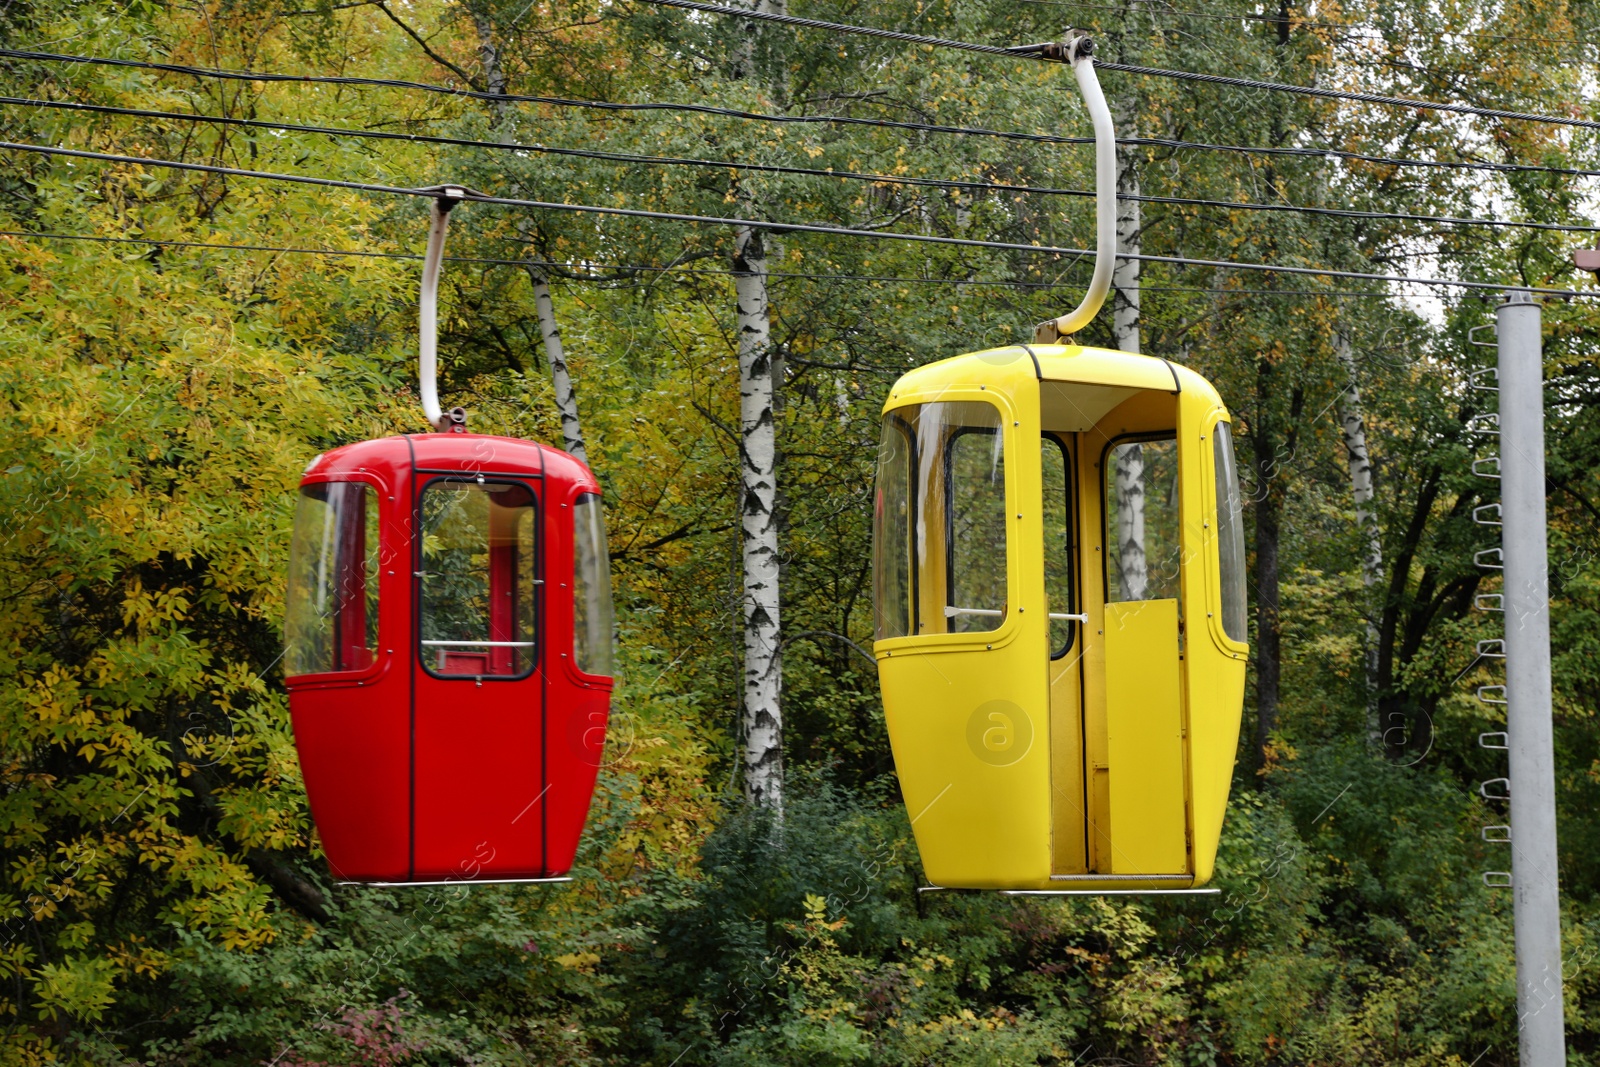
{"points": [[1343, 94], [1297, 23], [517, 98], [570, 275], [473, 196], [756, 116], [772, 168], [840, 27], [497, 98], [1362, 157], [1030, 51], [512, 146]]}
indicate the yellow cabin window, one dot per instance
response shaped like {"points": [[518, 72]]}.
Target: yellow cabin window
{"points": [[1142, 522], [939, 535]]}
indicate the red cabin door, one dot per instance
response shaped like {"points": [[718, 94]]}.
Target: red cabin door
{"points": [[478, 774]]}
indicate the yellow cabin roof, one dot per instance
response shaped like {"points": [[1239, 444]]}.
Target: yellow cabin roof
{"points": [[1008, 368]]}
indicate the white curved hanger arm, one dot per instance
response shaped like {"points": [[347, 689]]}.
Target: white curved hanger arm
{"points": [[428, 309], [1105, 183]]}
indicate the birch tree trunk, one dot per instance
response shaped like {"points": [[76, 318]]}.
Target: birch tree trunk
{"points": [[494, 78], [763, 665], [560, 377], [1125, 274], [759, 498], [1132, 564], [1128, 472], [1361, 491], [1133, 571], [745, 59]]}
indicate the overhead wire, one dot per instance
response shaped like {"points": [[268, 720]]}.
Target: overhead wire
{"points": [[1362, 157], [769, 168], [1299, 22], [523, 98], [1338, 94], [572, 275], [772, 225], [839, 27], [1034, 51], [755, 116], [572, 271]]}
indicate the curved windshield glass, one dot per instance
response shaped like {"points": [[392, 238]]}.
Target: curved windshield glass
{"points": [[1230, 535], [331, 611], [591, 590], [939, 520]]}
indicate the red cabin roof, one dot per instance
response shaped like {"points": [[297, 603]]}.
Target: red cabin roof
{"points": [[489, 453]]}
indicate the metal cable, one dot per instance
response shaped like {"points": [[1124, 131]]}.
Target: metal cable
{"points": [[518, 98], [1029, 51], [769, 168], [755, 116], [512, 146], [837, 27], [771, 225], [1363, 157], [1297, 22], [1339, 94], [675, 269]]}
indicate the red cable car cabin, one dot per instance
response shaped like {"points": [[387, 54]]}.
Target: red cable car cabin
{"points": [[449, 656]]}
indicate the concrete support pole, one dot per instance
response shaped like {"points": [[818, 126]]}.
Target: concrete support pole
{"points": [[1537, 901]]}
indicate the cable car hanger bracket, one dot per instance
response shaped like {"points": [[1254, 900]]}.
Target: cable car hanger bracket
{"points": [[1078, 50], [445, 198]]}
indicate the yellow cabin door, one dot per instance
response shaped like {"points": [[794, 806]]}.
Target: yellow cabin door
{"points": [[1144, 738], [1069, 802], [1140, 651], [962, 702]]}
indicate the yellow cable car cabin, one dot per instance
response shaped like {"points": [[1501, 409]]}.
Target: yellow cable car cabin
{"points": [[1059, 589]]}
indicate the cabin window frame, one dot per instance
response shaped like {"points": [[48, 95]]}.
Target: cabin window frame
{"points": [[536, 649], [949, 539], [1073, 543], [1108, 541], [927, 521]]}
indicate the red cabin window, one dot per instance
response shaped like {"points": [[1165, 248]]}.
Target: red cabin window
{"points": [[331, 618], [478, 570]]}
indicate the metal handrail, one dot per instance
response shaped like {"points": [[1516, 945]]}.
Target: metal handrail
{"points": [[994, 613]]}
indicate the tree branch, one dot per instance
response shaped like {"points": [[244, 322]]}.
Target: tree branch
{"points": [[435, 56], [868, 656]]}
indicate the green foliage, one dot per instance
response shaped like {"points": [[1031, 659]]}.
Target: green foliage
{"points": [[162, 897]]}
